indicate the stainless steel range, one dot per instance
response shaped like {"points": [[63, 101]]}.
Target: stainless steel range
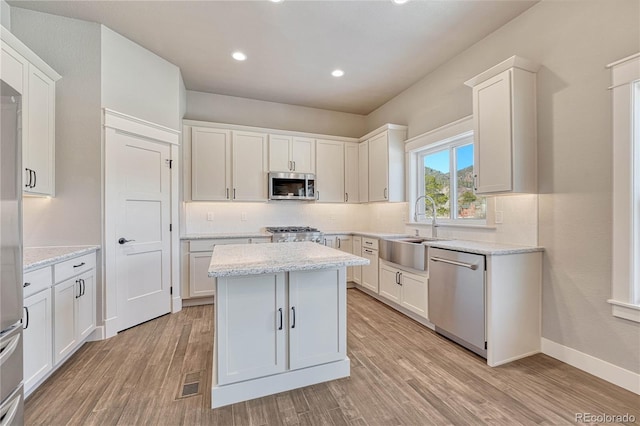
{"points": [[287, 234]]}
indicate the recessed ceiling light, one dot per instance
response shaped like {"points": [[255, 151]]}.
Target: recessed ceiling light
{"points": [[239, 56], [276, 1], [337, 73], [399, 1]]}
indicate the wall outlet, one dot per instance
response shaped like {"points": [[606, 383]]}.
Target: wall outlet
{"points": [[243, 216], [499, 217], [210, 216]]}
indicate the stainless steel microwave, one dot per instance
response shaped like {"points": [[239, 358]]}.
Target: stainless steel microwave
{"points": [[292, 186]]}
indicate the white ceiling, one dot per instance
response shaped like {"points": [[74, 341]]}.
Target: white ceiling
{"points": [[293, 46]]}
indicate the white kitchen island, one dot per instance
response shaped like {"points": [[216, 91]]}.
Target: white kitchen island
{"points": [[280, 318]]}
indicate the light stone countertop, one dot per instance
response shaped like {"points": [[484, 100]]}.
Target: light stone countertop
{"points": [[38, 257], [253, 259], [368, 234], [479, 247]]}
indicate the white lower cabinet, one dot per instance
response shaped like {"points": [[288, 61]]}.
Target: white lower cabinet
{"points": [[274, 323], [38, 359], [199, 257], [357, 250], [345, 243], [74, 313], [370, 271], [407, 289]]}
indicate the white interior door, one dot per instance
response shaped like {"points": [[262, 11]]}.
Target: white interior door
{"points": [[142, 238]]}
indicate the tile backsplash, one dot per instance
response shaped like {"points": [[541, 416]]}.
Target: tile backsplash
{"points": [[519, 219]]}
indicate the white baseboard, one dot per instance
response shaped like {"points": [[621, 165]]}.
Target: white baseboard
{"points": [[611, 373], [176, 304], [97, 334]]}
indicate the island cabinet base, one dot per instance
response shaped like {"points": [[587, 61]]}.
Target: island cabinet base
{"points": [[278, 331], [264, 386]]}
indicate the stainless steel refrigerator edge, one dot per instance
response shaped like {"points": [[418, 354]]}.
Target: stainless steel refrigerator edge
{"points": [[11, 301]]}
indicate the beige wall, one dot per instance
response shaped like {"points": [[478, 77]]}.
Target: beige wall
{"points": [[250, 112], [72, 48], [138, 82], [574, 41]]}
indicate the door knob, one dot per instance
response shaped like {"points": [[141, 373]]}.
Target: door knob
{"points": [[124, 240]]}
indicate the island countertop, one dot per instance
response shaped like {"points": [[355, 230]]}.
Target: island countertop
{"points": [[253, 259]]}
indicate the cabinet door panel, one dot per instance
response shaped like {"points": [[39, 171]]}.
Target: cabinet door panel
{"points": [[370, 272], [249, 166], [250, 342], [389, 287], [330, 171], [64, 318], [38, 356], [41, 135], [200, 283], [279, 153], [379, 168], [414, 293], [351, 175], [363, 172], [86, 306], [317, 335], [210, 164], [357, 250], [303, 155], [493, 149], [345, 243]]}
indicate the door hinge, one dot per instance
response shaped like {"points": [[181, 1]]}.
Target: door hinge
{"points": [[485, 345], [169, 163], [171, 290], [170, 227]]}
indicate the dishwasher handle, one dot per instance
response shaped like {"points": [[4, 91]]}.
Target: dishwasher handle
{"points": [[472, 266]]}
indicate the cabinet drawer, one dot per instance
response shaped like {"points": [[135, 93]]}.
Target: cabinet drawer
{"points": [[73, 267], [371, 243], [207, 245], [35, 281]]}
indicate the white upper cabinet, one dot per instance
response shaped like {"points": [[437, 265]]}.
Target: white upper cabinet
{"points": [[504, 118], [351, 175], [329, 171], [249, 166], [363, 172], [210, 164], [386, 164], [35, 81], [291, 154]]}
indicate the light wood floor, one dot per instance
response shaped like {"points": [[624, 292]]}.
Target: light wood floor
{"points": [[401, 374]]}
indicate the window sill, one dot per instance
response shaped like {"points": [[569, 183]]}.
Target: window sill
{"points": [[624, 310], [452, 225]]}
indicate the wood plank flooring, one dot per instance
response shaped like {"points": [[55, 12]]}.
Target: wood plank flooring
{"points": [[401, 374]]}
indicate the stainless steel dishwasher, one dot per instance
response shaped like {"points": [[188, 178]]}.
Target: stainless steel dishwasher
{"points": [[457, 297]]}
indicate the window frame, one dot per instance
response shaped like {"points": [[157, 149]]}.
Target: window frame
{"points": [[454, 134], [625, 276]]}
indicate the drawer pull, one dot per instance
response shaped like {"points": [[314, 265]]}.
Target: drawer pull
{"points": [[26, 310], [79, 265], [25, 285]]}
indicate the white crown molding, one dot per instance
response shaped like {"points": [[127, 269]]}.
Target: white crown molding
{"points": [[127, 123]]}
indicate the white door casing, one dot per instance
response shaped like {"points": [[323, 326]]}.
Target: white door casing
{"points": [[140, 198]]}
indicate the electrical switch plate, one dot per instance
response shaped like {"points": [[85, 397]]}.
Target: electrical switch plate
{"points": [[243, 216], [210, 216], [499, 217]]}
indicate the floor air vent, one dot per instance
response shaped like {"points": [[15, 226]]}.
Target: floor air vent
{"points": [[190, 385]]}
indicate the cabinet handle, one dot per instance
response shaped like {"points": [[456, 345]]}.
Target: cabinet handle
{"points": [[368, 242], [293, 322], [26, 325], [338, 239], [227, 193], [28, 184], [317, 195], [346, 197], [399, 278], [234, 193], [385, 193], [475, 182], [79, 265], [294, 166], [280, 312], [79, 289], [25, 285], [35, 178], [84, 286], [325, 241], [368, 251], [290, 165]]}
